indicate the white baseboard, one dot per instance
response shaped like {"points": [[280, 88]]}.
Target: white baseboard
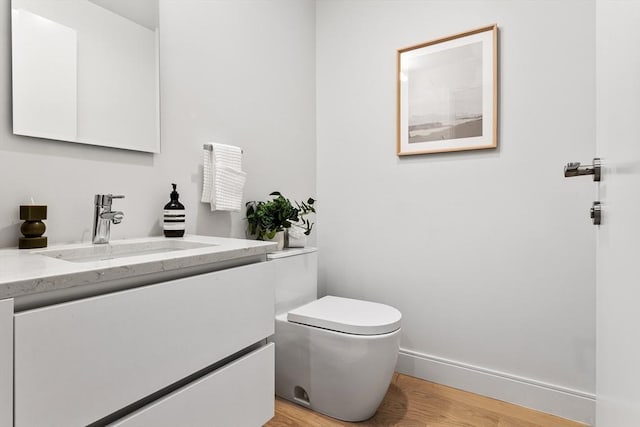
{"points": [[563, 402]]}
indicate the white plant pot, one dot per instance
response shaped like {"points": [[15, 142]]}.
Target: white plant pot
{"points": [[279, 239], [297, 238]]}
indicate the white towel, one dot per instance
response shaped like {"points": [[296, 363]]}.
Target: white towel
{"points": [[229, 186], [223, 177], [227, 155]]}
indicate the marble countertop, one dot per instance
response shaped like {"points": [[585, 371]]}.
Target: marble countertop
{"points": [[26, 272]]}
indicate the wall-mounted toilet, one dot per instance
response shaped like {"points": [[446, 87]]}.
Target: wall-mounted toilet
{"points": [[333, 355]]}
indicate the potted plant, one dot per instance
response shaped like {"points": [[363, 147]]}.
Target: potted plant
{"points": [[298, 232], [279, 220], [268, 220]]}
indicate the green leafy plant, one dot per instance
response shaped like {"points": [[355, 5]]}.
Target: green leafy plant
{"points": [[267, 218], [304, 209]]}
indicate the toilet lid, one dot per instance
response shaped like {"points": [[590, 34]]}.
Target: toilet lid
{"points": [[347, 315]]}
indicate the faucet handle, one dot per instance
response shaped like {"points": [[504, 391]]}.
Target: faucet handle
{"points": [[105, 199], [111, 197]]}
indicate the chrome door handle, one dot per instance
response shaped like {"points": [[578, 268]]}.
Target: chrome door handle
{"points": [[575, 169]]}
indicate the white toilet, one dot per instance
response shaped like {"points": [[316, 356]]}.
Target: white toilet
{"points": [[333, 355]]}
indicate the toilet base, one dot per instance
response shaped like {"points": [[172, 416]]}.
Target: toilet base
{"points": [[340, 375]]}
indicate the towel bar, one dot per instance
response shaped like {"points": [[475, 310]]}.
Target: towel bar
{"points": [[210, 148]]}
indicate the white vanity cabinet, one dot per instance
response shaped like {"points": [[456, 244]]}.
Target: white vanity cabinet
{"points": [[6, 362], [80, 362], [230, 396]]}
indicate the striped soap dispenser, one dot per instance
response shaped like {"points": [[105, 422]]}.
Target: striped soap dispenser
{"points": [[174, 216]]}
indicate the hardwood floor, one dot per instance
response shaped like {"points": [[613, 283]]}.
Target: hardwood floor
{"points": [[411, 402]]}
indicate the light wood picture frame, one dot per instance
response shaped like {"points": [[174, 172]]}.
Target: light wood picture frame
{"points": [[447, 94]]}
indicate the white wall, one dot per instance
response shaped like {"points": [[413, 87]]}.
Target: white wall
{"points": [[241, 73], [489, 255], [238, 72]]}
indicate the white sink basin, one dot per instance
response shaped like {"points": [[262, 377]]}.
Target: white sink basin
{"points": [[121, 250]]}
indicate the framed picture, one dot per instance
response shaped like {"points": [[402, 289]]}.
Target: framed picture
{"points": [[448, 94]]}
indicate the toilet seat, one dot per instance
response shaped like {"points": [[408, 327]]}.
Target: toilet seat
{"points": [[347, 315]]}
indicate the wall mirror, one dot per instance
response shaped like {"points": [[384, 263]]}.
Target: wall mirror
{"points": [[86, 71]]}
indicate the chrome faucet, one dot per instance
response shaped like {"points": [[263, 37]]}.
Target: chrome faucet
{"points": [[103, 216]]}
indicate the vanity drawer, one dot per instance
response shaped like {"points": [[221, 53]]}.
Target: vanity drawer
{"points": [[78, 362], [239, 394]]}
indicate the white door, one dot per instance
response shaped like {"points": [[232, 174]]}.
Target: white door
{"points": [[618, 241]]}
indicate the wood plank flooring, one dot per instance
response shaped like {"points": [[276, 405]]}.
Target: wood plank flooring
{"points": [[411, 402]]}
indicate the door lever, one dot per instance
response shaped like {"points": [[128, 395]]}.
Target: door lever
{"points": [[575, 169]]}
